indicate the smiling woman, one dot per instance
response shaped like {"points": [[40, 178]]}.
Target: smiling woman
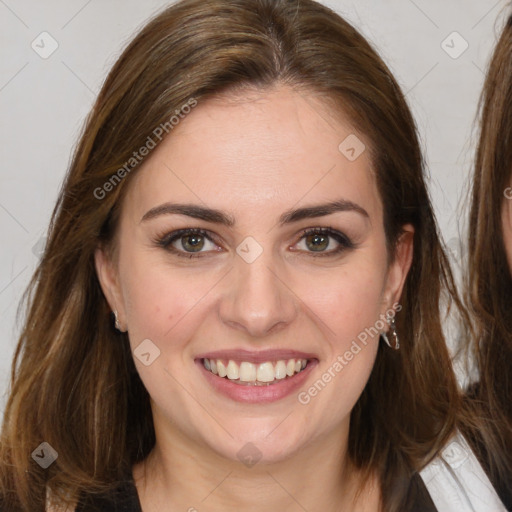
{"points": [[259, 253]]}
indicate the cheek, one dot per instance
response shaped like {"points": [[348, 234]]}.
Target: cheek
{"points": [[159, 298], [349, 304], [348, 300], [164, 305]]}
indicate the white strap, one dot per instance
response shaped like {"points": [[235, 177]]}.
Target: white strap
{"points": [[457, 483]]}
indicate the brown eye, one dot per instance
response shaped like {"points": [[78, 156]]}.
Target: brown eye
{"points": [[192, 243], [317, 242], [188, 243]]}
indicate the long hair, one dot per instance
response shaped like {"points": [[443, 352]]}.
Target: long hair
{"points": [[489, 278], [74, 384]]}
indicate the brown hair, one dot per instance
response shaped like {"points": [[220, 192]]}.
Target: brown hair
{"points": [[489, 282], [74, 383]]}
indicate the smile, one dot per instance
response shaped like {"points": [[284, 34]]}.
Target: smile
{"points": [[250, 374], [256, 378]]}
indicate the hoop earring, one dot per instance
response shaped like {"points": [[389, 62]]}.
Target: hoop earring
{"points": [[392, 327], [116, 324]]}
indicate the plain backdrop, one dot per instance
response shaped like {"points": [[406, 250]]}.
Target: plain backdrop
{"points": [[54, 56]]}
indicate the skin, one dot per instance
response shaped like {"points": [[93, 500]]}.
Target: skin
{"points": [[506, 221], [253, 156]]}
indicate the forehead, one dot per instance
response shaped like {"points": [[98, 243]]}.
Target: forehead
{"points": [[258, 150]]}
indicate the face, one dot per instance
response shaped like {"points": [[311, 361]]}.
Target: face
{"points": [[286, 262]]}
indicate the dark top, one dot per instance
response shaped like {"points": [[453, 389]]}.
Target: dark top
{"points": [[125, 498]]}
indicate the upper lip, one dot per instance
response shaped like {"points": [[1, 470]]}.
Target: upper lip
{"points": [[257, 357]]}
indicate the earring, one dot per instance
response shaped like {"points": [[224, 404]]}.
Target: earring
{"points": [[117, 325], [392, 327]]}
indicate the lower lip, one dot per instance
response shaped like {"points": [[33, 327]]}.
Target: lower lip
{"points": [[258, 394]]}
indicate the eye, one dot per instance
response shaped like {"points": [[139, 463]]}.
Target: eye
{"points": [[188, 243], [317, 240]]}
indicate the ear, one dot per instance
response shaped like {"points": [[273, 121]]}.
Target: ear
{"points": [[109, 282], [399, 267]]}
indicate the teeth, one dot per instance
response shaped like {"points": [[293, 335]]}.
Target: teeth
{"points": [[221, 369], [266, 372], [233, 372], [248, 372], [253, 373], [280, 370]]}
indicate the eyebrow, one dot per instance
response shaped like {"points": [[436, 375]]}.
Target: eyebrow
{"points": [[221, 217]]}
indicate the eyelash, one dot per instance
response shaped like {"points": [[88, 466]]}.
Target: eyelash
{"points": [[165, 241]]}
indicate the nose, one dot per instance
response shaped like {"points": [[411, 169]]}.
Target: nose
{"points": [[257, 299]]}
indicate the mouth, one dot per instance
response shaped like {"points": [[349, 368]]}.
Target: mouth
{"points": [[246, 373], [254, 379]]}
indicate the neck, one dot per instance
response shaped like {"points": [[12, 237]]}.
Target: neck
{"points": [[181, 475]]}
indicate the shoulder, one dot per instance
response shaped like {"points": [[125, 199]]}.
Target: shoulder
{"points": [[456, 480]]}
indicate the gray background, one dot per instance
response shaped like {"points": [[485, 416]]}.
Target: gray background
{"points": [[43, 102]]}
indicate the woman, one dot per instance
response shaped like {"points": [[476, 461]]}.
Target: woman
{"points": [[243, 209], [489, 285]]}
